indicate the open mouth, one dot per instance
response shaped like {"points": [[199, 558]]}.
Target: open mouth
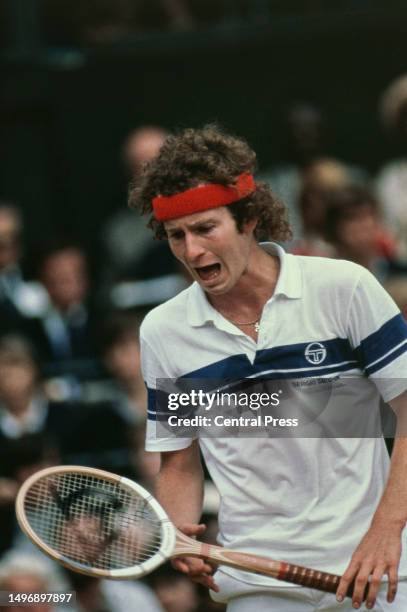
{"points": [[207, 273]]}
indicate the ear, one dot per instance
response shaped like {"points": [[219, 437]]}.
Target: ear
{"points": [[250, 226]]}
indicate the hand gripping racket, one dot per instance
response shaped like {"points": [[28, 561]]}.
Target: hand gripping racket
{"points": [[104, 525]]}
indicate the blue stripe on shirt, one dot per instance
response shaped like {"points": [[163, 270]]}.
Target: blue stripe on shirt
{"points": [[282, 362], [388, 359], [289, 361], [374, 352]]}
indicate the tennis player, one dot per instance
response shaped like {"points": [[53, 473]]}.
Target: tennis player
{"points": [[332, 503]]}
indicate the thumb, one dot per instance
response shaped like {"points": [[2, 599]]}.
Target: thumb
{"points": [[191, 529]]}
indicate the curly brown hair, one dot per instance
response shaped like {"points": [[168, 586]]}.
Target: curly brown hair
{"points": [[208, 155]]}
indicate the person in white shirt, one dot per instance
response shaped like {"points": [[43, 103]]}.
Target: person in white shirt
{"points": [[329, 502]]}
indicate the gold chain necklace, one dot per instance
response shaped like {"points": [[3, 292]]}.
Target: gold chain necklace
{"points": [[256, 324]]}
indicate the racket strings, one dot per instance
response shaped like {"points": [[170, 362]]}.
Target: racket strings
{"points": [[93, 522]]}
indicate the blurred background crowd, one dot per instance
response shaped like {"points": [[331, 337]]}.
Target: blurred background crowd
{"points": [[91, 90]]}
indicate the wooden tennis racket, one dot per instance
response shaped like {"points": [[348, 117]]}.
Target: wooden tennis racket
{"points": [[104, 525]]}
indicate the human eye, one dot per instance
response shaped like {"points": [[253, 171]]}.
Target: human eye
{"points": [[206, 229], [177, 235]]}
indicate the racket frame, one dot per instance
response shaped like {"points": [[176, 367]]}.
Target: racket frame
{"points": [[168, 531]]}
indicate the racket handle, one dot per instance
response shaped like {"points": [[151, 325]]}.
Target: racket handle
{"points": [[296, 574], [322, 581]]}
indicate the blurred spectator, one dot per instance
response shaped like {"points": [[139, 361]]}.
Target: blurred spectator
{"points": [[121, 358], [64, 332], [19, 300], [20, 457], [125, 237], [392, 178], [141, 147], [306, 136], [304, 128], [35, 430], [23, 573], [95, 595], [396, 286], [149, 292], [320, 179], [306, 144], [147, 464], [354, 229], [24, 446]]}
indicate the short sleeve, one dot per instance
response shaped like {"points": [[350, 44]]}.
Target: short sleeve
{"points": [[378, 335], [153, 370]]}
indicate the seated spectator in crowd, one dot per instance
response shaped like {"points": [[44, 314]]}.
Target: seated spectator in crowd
{"points": [[320, 179], [354, 229], [25, 573], [125, 237], [64, 333], [19, 300], [34, 430], [396, 286], [19, 458], [121, 358], [304, 127], [391, 181], [129, 253], [146, 464], [306, 141], [96, 595], [23, 405], [125, 388]]}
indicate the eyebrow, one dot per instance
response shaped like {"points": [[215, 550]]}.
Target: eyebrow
{"points": [[193, 225]]}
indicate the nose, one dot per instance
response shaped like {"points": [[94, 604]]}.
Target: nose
{"points": [[193, 249]]}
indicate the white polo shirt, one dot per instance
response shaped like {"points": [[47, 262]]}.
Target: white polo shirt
{"points": [[307, 501]]}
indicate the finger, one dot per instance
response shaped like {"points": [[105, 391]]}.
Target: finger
{"points": [[191, 566], [203, 568], [374, 586], [197, 566], [191, 529], [392, 586], [181, 566], [361, 581], [346, 580], [206, 581]]}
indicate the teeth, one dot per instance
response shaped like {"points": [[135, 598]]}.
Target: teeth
{"points": [[209, 272]]}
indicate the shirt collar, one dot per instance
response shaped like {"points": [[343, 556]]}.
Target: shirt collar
{"points": [[290, 278], [289, 284]]}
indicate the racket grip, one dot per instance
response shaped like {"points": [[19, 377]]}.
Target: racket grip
{"points": [[322, 581], [296, 574]]}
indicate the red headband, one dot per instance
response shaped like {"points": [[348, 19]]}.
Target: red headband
{"points": [[202, 197]]}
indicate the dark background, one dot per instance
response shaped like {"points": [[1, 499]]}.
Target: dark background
{"points": [[66, 107]]}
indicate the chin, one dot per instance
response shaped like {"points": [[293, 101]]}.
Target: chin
{"points": [[222, 290]]}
